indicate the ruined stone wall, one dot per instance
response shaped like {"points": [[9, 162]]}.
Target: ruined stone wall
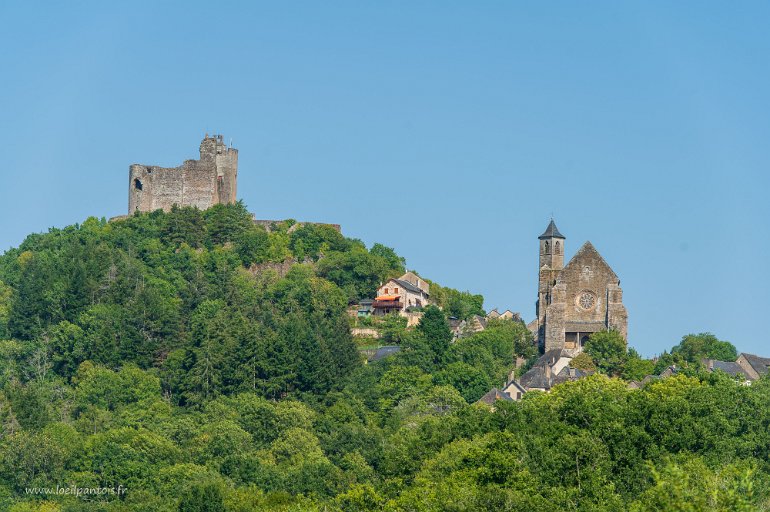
{"points": [[200, 183]]}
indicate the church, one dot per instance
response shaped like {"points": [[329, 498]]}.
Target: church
{"points": [[575, 300]]}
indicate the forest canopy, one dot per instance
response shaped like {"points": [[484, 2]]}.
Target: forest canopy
{"points": [[196, 361]]}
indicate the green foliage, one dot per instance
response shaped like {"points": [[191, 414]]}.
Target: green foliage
{"points": [[636, 368], [202, 498], [608, 351], [434, 329], [359, 272], [695, 347], [584, 362], [156, 354], [455, 303], [392, 328]]}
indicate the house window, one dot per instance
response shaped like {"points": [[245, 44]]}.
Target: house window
{"points": [[386, 291], [395, 291]]}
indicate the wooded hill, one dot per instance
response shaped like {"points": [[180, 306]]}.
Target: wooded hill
{"points": [[158, 353]]}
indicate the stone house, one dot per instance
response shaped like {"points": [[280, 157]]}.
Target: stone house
{"points": [[550, 369], [463, 328], [514, 390], [400, 295], [505, 315], [492, 396], [753, 366]]}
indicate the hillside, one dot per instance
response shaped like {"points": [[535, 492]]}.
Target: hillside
{"points": [[181, 361]]}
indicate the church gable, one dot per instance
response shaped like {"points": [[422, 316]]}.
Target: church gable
{"points": [[586, 281], [588, 256]]}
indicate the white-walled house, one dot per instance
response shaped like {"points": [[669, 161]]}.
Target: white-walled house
{"points": [[397, 295]]}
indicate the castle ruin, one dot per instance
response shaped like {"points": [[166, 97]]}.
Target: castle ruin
{"points": [[200, 183]]}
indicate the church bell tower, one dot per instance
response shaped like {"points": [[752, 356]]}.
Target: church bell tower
{"points": [[552, 248], [551, 263]]}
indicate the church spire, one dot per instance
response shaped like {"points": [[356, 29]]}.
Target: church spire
{"points": [[551, 232]]}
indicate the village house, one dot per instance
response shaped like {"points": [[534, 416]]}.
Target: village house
{"points": [[748, 367], [401, 295], [550, 369], [753, 366], [463, 328], [505, 315]]}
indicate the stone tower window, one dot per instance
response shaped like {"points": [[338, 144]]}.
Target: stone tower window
{"points": [[557, 249], [137, 184], [547, 247]]}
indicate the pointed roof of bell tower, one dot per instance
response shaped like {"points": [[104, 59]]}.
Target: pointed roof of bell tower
{"points": [[551, 232]]}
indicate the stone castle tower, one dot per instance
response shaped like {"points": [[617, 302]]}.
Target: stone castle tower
{"points": [[574, 301], [202, 183]]}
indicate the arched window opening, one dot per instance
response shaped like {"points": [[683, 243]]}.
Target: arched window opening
{"points": [[137, 184], [557, 248], [547, 247]]}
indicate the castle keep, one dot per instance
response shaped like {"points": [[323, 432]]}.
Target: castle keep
{"points": [[201, 183], [574, 301]]}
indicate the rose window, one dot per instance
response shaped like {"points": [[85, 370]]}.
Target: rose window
{"points": [[587, 300]]}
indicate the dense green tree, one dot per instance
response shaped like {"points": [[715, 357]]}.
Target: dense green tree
{"points": [[394, 261], [695, 347], [636, 368], [184, 225], [608, 350], [455, 303], [434, 329], [226, 223], [205, 497]]}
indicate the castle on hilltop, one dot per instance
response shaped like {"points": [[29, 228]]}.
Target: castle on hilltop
{"points": [[576, 300], [201, 183]]}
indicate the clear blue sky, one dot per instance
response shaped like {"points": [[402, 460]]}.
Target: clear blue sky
{"points": [[450, 131]]}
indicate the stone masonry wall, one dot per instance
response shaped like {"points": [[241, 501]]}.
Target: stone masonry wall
{"points": [[201, 183]]}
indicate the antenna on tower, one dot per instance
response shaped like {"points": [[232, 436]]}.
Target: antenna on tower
{"points": [[231, 143]]}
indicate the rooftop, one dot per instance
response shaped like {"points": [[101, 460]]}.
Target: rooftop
{"points": [[551, 232]]}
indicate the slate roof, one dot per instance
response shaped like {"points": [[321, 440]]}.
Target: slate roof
{"points": [[383, 352], [568, 374], [482, 320], [759, 364], [408, 286], [669, 371], [551, 357], [551, 232], [493, 396], [730, 368], [535, 378]]}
